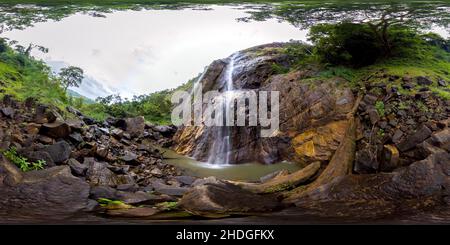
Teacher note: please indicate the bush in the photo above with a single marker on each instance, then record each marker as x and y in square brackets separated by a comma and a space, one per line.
[345, 44]
[358, 45]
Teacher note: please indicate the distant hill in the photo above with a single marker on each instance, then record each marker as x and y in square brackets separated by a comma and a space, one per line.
[77, 95]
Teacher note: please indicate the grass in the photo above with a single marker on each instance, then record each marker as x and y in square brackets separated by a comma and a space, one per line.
[379, 106]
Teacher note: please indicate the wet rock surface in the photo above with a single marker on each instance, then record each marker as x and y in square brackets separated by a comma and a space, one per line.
[53, 191]
[222, 199]
[308, 115]
[367, 153]
[422, 184]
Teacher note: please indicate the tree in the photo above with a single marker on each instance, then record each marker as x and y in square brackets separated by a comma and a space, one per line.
[380, 17]
[346, 44]
[71, 76]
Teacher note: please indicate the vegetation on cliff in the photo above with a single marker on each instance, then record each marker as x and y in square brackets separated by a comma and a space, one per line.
[23, 76]
[386, 39]
[348, 50]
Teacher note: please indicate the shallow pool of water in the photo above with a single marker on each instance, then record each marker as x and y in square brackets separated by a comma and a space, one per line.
[251, 171]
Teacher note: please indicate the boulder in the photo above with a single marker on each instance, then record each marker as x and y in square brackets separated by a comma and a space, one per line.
[129, 157]
[102, 152]
[76, 138]
[117, 133]
[165, 130]
[77, 168]
[88, 120]
[8, 100]
[408, 85]
[45, 140]
[132, 187]
[34, 156]
[52, 115]
[8, 112]
[99, 174]
[366, 161]
[135, 126]
[373, 116]
[425, 149]
[156, 172]
[30, 102]
[50, 193]
[59, 152]
[33, 128]
[424, 81]
[56, 129]
[140, 197]
[102, 191]
[74, 111]
[223, 199]
[169, 189]
[397, 136]
[75, 124]
[415, 138]
[442, 139]
[390, 158]
[442, 83]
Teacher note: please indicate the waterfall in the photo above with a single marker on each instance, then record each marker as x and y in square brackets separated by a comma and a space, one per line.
[221, 148]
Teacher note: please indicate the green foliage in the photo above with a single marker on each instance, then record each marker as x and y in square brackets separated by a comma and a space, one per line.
[403, 105]
[345, 44]
[71, 76]
[442, 93]
[380, 133]
[23, 76]
[106, 201]
[167, 206]
[379, 106]
[279, 69]
[299, 53]
[21, 162]
[421, 106]
[113, 204]
[155, 107]
[358, 45]
[338, 71]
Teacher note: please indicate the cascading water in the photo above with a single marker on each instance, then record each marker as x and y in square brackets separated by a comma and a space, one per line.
[221, 148]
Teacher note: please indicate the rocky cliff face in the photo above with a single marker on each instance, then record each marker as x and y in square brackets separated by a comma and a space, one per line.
[312, 111]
